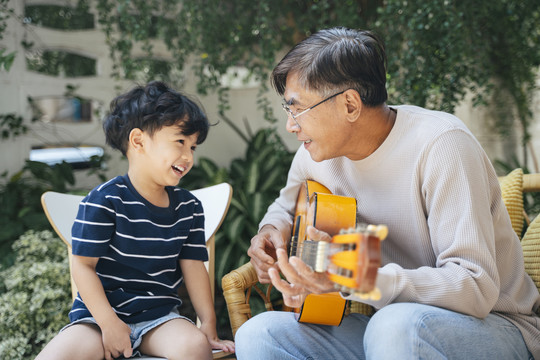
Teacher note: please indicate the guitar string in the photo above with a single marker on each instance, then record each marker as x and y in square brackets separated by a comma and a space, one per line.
[310, 251]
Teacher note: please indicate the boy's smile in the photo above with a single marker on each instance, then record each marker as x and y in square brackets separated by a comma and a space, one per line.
[160, 160]
[170, 153]
[179, 170]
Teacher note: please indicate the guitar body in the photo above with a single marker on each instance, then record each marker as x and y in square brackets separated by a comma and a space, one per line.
[330, 213]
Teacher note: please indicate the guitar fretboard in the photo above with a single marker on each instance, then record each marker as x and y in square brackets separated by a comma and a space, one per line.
[316, 254]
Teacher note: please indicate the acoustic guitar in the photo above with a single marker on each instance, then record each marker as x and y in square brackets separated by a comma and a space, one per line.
[351, 259]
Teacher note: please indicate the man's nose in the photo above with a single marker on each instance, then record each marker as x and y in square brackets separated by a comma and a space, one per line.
[291, 125]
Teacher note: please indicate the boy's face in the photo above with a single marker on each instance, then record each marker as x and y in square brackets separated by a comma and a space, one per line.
[169, 154]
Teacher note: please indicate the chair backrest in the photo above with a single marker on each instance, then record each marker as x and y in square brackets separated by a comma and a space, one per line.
[215, 201]
[61, 210]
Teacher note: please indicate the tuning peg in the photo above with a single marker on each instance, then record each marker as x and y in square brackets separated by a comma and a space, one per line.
[350, 230]
[381, 231]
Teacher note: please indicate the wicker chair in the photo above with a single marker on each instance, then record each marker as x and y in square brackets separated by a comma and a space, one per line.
[239, 284]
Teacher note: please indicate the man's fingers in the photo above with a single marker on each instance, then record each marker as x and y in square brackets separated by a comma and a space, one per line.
[286, 268]
[299, 273]
[262, 274]
[317, 235]
[301, 267]
[260, 263]
[283, 286]
[264, 257]
[262, 251]
[293, 296]
[262, 248]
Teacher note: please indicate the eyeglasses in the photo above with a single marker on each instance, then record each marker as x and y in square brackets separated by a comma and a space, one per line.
[295, 116]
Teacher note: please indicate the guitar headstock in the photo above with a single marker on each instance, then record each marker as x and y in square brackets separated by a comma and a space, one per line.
[354, 257]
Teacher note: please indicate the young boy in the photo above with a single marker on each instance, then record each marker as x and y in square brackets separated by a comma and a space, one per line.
[138, 236]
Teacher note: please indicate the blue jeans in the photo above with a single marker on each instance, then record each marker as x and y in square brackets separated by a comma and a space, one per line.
[397, 331]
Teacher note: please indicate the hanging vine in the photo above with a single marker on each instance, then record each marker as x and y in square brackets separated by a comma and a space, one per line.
[438, 50]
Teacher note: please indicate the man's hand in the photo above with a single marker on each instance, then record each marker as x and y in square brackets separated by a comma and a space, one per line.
[301, 280]
[263, 251]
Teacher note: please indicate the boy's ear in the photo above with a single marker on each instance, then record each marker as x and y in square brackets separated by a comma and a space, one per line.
[136, 139]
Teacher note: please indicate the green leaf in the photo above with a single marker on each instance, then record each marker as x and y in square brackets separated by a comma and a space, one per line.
[253, 178]
[258, 207]
[271, 180]
[208, 166]
[234, 228]
[6, 60]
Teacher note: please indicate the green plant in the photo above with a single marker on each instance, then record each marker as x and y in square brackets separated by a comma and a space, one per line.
[6, 58]
[61, 17]
[438, 50]
[20, 194]
[256, 180]
[35, 295]
[11, 125]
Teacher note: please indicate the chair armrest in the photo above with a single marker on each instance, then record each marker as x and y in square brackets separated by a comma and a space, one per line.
[237, 287]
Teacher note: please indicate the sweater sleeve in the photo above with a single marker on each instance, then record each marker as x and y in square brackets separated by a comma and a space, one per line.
[462, 202]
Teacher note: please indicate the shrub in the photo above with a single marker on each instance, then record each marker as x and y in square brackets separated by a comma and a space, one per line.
[20, 194]
[35, 295]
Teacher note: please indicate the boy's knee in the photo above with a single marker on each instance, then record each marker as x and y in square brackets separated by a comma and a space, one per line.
[194, 347]
[198, 346]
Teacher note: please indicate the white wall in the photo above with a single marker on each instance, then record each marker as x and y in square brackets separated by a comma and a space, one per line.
[222, 144]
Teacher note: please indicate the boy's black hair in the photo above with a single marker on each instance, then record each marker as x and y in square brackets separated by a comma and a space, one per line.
[150, 108]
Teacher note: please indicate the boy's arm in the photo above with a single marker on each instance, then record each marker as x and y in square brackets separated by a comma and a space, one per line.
[200, 293]
[115, 332]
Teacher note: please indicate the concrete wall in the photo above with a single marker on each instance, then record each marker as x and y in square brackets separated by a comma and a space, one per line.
[222, 144]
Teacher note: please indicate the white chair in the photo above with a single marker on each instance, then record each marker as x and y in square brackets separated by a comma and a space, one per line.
[61, 210]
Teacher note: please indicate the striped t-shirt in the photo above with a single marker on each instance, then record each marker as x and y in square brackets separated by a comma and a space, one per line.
[139, 246]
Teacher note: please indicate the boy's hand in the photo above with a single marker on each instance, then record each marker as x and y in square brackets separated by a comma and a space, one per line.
[225, 345]
[116, 340]
[209, 329]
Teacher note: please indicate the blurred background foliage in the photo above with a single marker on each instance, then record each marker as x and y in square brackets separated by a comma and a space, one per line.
[20, 199]
[438, 52]
[34, 302]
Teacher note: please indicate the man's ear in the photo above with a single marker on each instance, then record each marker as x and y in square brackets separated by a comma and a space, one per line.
[136, 139]
[354, 105]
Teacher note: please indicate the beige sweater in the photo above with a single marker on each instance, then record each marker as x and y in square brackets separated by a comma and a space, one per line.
[450, 241]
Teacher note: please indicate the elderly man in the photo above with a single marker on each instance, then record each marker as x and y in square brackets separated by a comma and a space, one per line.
[452, 280]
